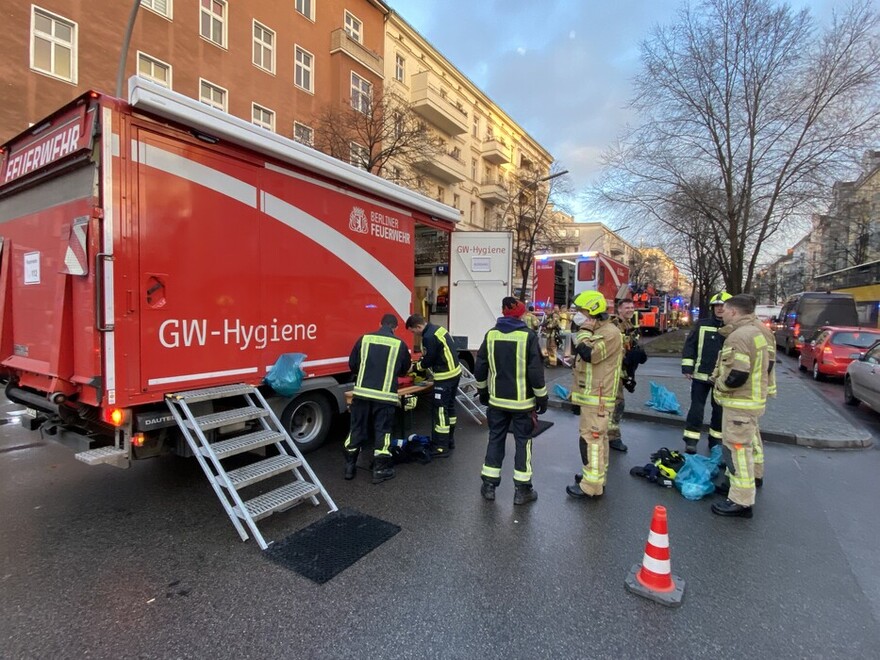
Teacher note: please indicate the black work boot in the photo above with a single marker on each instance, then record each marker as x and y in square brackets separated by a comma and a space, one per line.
[439, 451]
[524, 494]
[617, 445]
[383, 469]
[732, 509]
[722, 487]
[487, 490]
[759, 481]
[350, 466]
[690, 447]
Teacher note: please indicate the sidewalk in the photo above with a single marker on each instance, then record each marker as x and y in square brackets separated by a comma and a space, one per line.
[798, 415]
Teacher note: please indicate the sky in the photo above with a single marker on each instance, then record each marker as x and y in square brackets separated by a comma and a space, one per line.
[562, 69]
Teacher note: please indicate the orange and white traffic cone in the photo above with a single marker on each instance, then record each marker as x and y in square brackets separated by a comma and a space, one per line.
[654, 579]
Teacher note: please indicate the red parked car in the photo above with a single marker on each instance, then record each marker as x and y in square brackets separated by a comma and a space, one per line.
[832, 348]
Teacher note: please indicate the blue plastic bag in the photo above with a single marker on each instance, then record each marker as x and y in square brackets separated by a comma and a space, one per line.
[286, 375]
[663, 400]
[694, 479]
[561, 392]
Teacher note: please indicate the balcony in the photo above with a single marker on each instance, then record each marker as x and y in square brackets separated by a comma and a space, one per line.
[340, 42]
[432, 102]
[444, 167]
[496, 151]
[493, 192]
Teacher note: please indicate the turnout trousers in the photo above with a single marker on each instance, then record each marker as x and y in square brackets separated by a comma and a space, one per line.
[743, 453]
[700, 391]
[521, 423]
[443, 412]
[593, 444]
[371, 422]
[616, 416]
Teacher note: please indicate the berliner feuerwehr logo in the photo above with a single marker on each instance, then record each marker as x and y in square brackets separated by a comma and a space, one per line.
[357, 221]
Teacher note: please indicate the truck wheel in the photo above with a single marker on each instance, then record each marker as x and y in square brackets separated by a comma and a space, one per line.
[307, 419]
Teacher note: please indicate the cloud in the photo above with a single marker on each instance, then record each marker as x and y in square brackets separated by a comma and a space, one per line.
[521, 50]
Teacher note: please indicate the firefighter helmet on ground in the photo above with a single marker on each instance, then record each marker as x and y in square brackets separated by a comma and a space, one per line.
[592, 302]
[720, 298]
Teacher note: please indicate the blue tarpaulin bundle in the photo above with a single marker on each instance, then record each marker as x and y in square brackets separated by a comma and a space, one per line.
[561, 392]
[663, 400]
[286, 375]
[694, 479]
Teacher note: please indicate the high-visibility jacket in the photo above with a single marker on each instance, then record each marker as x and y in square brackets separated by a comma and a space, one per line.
[532, 321]
[628, 329]
[509, 365]
[700, 353]
[378, 358]
[748, 349]
[439, 353]
[596, 382]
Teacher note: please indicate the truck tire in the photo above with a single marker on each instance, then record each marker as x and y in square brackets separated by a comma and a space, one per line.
[308, 419]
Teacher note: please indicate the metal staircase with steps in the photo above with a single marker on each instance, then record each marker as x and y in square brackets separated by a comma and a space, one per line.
[467, 396]
[228, 484]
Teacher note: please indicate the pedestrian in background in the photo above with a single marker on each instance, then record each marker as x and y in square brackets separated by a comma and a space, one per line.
[698, 359]
[377, 359]
[531, 319]
[742, 379]
[551, 330]
[633, 355]
[510, 381]
[440, 358]
[598, 354]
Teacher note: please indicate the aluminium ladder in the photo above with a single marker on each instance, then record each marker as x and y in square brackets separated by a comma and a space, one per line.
[228, 484]
[467, 396]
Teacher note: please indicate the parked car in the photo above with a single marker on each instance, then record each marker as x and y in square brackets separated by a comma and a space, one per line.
[804, 313]
[832, 348]
[862, 380]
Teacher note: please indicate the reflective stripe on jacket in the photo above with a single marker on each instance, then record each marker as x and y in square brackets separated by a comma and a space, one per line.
[701, 348]
[440, 355]
[747, 349]
[596, 382]
[509, 365]
[378, 359]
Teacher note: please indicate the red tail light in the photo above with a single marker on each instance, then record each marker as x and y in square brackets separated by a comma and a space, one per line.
[115, 416]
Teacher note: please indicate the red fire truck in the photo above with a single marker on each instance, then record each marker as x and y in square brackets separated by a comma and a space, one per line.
[159, 245]
[558, 278]
[652, 312]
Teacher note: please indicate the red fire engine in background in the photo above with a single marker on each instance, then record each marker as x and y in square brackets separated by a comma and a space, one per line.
[558, 278]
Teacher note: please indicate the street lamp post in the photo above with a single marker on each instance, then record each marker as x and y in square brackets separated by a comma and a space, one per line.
[126, 41]
[602, 235]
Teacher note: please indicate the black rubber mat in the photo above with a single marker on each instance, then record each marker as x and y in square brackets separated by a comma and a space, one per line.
[540, 427]
[326, 548]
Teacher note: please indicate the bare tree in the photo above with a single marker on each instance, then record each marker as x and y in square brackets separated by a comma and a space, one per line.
[750, 98]
[529, 213]
[381, 134]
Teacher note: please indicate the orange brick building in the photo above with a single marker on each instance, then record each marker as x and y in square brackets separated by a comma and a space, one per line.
[274, 62]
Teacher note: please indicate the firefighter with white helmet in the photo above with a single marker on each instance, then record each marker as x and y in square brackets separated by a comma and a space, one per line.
[698, 358]
[598, 354]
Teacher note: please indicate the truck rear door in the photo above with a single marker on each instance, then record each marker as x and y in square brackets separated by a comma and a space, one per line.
[480, 276]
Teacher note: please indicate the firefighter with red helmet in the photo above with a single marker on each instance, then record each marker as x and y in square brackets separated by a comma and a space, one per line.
[598, 355]
[377, 359]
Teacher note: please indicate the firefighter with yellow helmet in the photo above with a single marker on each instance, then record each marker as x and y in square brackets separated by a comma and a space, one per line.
[598, 354]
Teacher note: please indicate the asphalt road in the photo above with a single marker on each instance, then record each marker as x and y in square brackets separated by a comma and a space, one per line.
[101, 562]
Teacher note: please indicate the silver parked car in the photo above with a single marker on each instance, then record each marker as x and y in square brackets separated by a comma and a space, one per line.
[862, 380]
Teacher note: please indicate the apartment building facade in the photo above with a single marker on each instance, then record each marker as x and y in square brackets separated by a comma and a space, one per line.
[273, 62]
[483, 148]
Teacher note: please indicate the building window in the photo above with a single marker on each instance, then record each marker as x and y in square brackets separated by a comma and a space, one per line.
[303, 134]
[456, 201]
[213, 23]
[264, 47]
[212, 95]
[152, 69]
[303, 76]
[53, 45]
[441, 193]
[263, 117]
[476, 129]
[361, 93]
[358, 155]
[473, 212]
[399, 68]
[161, 7]
[306, 8]
[353, 27]
[474, 169]
[396, 174]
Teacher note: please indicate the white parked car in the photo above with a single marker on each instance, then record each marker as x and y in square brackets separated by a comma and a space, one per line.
[862, 380]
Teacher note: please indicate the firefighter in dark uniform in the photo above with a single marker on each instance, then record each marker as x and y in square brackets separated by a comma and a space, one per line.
[378, 358]
[698, 360]
[440, 358]
[510, 379]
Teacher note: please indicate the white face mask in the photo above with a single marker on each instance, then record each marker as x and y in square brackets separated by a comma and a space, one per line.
[579, 319]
